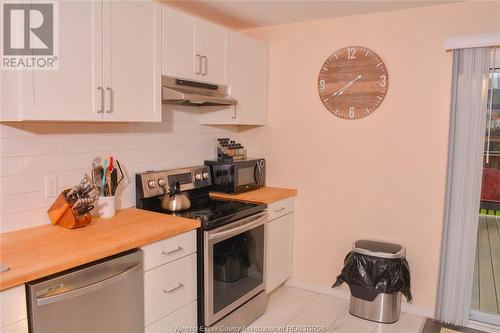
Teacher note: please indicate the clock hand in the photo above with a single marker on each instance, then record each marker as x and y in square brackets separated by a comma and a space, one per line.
[349, 84]
[344, 88]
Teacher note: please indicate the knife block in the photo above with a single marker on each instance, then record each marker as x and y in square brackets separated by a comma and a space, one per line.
[61, 213]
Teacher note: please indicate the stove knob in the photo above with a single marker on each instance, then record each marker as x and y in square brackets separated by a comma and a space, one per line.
[198, 176]
[205, 175]
[151, 184]
[161, 182]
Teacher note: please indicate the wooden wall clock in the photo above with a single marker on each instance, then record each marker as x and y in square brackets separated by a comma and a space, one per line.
[353, 82]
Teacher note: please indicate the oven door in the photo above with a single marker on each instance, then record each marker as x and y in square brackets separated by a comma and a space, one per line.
[234, 257]
[248, 175]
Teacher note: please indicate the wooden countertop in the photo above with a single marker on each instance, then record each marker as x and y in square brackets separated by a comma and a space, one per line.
[264, 194]
[40, 251]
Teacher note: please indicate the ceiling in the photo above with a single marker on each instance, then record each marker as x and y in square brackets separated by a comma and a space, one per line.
[247, 14]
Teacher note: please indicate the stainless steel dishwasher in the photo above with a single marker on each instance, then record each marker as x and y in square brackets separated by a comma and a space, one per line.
[102, 297]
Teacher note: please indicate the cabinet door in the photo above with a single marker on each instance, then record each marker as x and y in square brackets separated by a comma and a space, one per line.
[248, 84]
[132, 60]
[212, 45]
[248, 79]
[182, 320]
[18, 327]
[279, 251]
[13, 308]
[179, 57]
[72, 92]
[169, 287]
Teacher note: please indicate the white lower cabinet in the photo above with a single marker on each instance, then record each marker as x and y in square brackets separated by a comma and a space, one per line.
[13, 310]
[170, 292]
[279, 245]
[169, 249]
[182, 320]
[169, 287]
[18, 327]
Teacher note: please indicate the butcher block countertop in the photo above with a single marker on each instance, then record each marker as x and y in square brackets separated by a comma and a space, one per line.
[44, 250]
[266, 195]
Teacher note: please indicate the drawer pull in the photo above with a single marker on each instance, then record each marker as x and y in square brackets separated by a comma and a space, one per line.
[178, 286]
[179, 248]
[279, 210]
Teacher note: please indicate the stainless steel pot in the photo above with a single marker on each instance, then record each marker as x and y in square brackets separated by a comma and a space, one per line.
[175, 200]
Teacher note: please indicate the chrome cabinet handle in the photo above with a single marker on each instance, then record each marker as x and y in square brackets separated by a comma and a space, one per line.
[279, 210]
[234, 112]
[179, 248]
[110, 100]
[205, 72]
[101, 110]
[198, 71]
[178, 286]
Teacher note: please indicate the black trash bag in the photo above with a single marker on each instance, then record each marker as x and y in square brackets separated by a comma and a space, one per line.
[369, 276]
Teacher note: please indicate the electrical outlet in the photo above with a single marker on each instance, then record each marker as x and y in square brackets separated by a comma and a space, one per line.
[50, 187]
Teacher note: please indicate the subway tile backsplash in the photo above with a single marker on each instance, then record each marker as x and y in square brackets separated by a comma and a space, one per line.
[32, 151]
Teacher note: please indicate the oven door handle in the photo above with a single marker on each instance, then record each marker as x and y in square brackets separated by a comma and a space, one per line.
[254, 222]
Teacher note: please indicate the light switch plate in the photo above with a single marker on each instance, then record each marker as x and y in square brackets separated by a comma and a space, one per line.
[50, 186]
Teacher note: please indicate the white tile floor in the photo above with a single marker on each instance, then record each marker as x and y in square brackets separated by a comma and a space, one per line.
[293, 310]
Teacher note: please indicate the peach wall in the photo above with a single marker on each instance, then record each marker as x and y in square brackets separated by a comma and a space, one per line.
[381, 177]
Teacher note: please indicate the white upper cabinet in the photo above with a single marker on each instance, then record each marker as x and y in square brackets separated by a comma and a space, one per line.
[179, 57]
[248, 84]
[248, 81]
[194, 49]
[212, 46]
[132, 61]
[109, 67]
[72, 92]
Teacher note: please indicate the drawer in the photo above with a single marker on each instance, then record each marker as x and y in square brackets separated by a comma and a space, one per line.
[169, 287]
[280, 208]
[182, 320]
[12, 305]
[19, 327]
[167, 250]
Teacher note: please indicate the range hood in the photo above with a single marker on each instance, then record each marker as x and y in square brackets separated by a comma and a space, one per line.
[184, 92]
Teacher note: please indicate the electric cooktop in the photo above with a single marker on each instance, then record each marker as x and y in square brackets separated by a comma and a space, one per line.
[214, 213]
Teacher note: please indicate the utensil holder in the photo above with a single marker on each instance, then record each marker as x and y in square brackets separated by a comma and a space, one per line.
[61, 213]
[106, 207]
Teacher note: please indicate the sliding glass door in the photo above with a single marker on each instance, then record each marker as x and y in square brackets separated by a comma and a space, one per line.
[485, 300]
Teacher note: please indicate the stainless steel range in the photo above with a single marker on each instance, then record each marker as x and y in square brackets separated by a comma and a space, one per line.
[231, 245]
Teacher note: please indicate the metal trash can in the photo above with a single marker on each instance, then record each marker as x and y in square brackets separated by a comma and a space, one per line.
[385, 308]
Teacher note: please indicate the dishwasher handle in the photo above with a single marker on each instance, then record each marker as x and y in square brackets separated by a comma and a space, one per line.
[86, 289]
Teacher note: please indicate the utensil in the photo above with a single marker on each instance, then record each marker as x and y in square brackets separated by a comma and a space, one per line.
[84, 209]
[114, 181]
[108, 182]
[121, 173]
[103, 180]
[96, 162]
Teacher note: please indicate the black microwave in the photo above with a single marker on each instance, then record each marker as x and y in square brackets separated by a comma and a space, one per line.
[237, 176]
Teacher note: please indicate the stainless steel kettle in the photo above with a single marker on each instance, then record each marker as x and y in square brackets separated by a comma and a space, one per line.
[174, 200]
